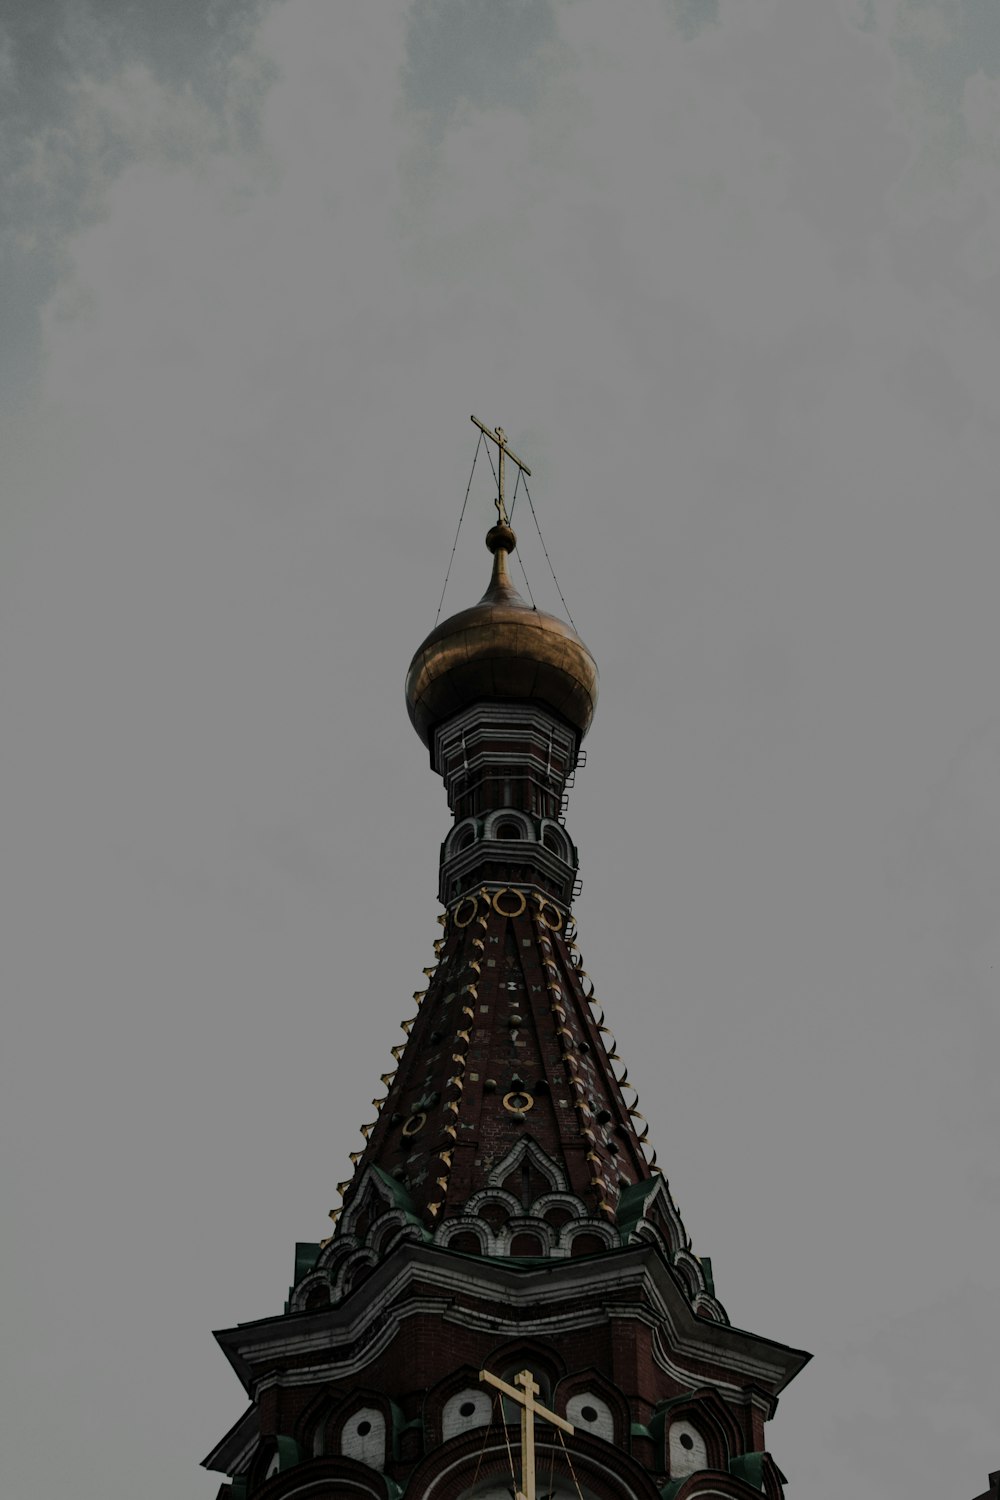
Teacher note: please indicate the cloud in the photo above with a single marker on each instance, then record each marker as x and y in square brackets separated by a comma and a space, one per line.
[485, 52]
[87, 91]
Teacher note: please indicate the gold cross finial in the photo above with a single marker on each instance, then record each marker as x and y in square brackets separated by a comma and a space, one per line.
[530, 1409]
[498, 436]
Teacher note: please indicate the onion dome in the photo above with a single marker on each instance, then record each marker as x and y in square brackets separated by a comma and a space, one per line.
[501, 649]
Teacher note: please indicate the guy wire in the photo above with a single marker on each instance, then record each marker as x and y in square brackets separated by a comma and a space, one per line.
[519, 557]
[572, 1471]
[506, 1438]
[458, 528]
[486, 1438]
[547, 557]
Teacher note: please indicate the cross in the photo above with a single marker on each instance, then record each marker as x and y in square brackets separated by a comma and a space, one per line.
[498, 436]
[530, 1408]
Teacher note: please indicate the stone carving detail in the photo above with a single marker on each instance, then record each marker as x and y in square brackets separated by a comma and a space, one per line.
[498, 1223]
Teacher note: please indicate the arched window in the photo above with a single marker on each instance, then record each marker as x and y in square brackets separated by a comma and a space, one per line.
[467, 1242]
[507, 831]
[586, 1244]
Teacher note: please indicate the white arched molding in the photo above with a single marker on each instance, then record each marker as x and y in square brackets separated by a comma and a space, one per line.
[686, 1449]
[462, 836]
[509, 815]
[554, 837]
[590, 1414]
[362, 1437]
[470, 1408]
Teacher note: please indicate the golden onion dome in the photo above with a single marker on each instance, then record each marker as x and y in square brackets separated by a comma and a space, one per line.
[501, 649]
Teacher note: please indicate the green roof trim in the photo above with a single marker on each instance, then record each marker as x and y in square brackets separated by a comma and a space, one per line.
[658, 1420]
[706, 1268]
[637, 1430]
[631, 1205]
[289, 1453]
[400, 1198]
[750, 1468]
[306, 1256]
[670, 1490]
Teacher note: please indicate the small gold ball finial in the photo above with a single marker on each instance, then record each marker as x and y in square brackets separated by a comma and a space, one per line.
[501, 538]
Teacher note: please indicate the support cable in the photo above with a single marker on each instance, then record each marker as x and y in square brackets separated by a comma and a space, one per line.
[458, 528]
[506, 1438]
[547, 557]
[486, 1438]
[572, 1471]
[520, 559]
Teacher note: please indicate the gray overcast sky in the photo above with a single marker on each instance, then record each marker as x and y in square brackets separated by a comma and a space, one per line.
[728, 272]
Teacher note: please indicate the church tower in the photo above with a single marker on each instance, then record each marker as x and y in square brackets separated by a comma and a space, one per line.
[508, 1304]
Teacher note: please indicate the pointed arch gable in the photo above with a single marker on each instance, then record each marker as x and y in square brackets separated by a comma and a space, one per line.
[375, 1195]
[521, 1354]
[336, 1412]
[544, 1164]
[590, 1382]
[463, 1382]
[709, 1415]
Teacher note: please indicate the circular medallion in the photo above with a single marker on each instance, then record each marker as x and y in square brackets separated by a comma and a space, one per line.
[517, 1103]
[465, 911]
[550, 916]
[414, 1123]
[509, 903]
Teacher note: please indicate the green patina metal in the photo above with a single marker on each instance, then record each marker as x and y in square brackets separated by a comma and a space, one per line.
[658, 1420]
[706, 1267]
[289, 1453]
[306, 1256]
[401, 1200]
[631, 1205]
[750, 1468]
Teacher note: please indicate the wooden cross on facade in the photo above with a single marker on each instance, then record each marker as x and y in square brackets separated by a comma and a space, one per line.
[498, 436]
[530, 1409]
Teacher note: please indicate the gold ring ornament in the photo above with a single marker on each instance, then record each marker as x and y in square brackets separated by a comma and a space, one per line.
[467, 902]
[550, 916]
[518, 1102]
[414, 1123]
[520, 903]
